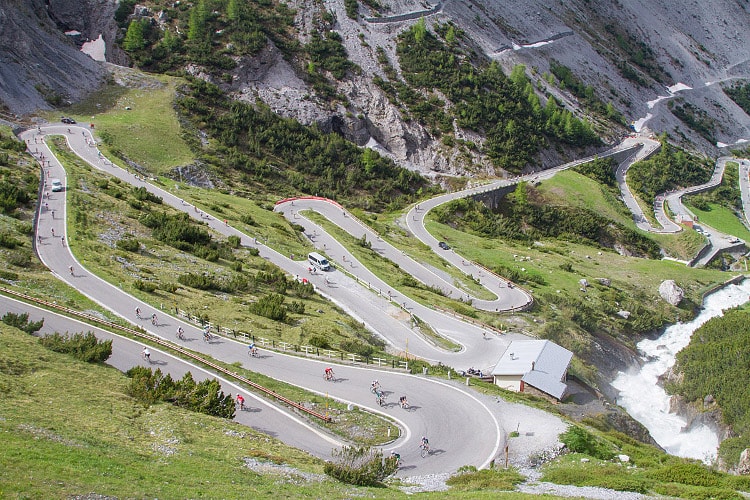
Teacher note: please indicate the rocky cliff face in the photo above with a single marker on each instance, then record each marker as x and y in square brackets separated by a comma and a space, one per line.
[40, 66]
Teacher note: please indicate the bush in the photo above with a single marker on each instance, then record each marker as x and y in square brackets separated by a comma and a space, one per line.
[202, 397]
[8, 275]
[270, 306]
[144, 286]
[248, 220]
[361, 466]
[691, 473]
[128, 244]
[8, 241]
[579, 440]
[85, 347]
[492, 479]
[234, 241]
[199, 281]
[357, 347]
[21, 321]
[296, 307]
[169, 287]
[320, 342]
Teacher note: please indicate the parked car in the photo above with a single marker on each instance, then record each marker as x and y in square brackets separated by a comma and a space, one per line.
[67, 120]
[56, 185]
[444, 245]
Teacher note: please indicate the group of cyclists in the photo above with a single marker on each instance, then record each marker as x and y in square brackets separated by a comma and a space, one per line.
[329, 375]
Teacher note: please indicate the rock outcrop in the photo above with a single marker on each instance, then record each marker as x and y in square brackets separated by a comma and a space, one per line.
[669, 291]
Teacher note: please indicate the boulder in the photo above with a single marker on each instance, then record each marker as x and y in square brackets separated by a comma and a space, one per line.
[623, 314]
[584, 283]
[623, 458]
[604, 281]
[670, 292]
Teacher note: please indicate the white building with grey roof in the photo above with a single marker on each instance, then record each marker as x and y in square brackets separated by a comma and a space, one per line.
[537, 363]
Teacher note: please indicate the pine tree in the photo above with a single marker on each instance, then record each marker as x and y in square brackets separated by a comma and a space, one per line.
[134, 40]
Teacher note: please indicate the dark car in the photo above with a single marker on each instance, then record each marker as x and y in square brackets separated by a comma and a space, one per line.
[67, 120]
[444, 245]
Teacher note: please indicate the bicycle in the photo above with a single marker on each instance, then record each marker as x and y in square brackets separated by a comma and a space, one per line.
[380, 398]
[424, 450]
[146, 355]
[252, 351]
[329, 376]
[180, 333]
[207, 336]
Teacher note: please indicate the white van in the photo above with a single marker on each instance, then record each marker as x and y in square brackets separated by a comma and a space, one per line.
[56, 185]
[319, 261]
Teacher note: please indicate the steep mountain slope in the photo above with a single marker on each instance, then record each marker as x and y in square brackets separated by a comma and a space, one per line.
[40, 66]
[624, 54]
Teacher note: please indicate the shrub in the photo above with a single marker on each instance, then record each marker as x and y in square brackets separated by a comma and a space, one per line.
[361, 466]
[296, 307]
[579, 440]
[253, 251]
[169, 287]
[356, 347]
[8, 241]
[246, 219]
[236, 266]
[199, 281]
[128, 244]
[493, 479]
[144, 286]
[21, 321]
[691, 473]
[234, 241]
[320, 342]
[203, 397]
[142, 194]
[85, 347]
[8, 275]
[270, 306]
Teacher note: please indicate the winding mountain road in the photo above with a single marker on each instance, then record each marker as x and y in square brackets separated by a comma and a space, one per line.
[471, 432]
[463, 427]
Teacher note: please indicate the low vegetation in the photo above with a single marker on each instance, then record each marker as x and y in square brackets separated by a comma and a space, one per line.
[612, 460]
[149, 387]
[361, 466]
[740, 94]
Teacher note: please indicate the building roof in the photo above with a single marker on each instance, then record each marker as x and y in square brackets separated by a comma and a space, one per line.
[550, 362]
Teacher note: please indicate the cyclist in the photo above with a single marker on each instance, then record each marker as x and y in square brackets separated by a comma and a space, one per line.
[403, 402]
[138, 312]
[146, 354]
[154, 321]
[180, 333]
[206, 333]
[329, 373]
[252, 350]
[397, 457]
[425, 443]
[374, 387]
[241, 401]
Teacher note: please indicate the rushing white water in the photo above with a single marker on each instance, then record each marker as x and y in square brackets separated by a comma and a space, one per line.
[648, 403]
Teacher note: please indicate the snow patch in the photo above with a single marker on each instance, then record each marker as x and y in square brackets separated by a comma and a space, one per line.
[95, 49]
